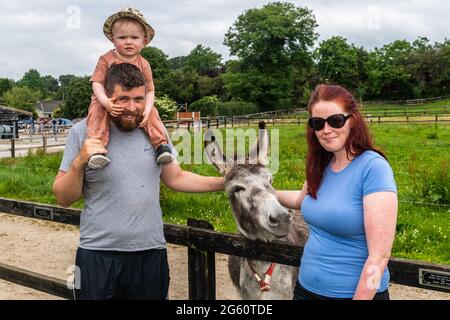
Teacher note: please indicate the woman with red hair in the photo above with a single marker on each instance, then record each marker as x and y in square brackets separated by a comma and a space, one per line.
[349, 201]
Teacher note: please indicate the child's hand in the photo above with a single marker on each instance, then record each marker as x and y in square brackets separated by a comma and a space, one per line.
[114, 109]
[146, 116]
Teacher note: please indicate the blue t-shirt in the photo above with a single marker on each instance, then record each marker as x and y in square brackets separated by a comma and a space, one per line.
[336, 250]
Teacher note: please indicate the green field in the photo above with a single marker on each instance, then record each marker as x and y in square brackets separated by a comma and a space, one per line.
[418, 153]
[390, 113]
[429, 108]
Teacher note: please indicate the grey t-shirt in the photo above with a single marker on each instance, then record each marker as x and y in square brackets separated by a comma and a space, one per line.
[122, 210]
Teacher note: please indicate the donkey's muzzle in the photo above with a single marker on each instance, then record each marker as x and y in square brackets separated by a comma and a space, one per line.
[279, 219]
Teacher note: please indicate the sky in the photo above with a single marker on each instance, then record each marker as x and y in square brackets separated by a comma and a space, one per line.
[59, 37]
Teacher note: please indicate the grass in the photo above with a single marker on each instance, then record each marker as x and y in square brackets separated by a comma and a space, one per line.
[418, 153]
[437, 107]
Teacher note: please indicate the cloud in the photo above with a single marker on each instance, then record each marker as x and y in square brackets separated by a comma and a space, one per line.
[65, 37]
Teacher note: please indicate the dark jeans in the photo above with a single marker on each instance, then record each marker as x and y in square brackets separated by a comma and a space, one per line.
[109, 275]
[301, 293]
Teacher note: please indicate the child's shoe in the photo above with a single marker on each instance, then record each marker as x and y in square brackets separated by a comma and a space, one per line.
[98, 161]
[164, 154]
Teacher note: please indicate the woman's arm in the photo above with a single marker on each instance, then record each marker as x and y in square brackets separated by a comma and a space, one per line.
[380, 217]
[292, 198]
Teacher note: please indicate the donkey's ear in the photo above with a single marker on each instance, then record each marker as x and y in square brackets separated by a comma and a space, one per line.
[214, 152]
[260, 149]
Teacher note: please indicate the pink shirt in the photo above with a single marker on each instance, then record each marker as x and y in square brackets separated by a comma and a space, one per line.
[111, 57]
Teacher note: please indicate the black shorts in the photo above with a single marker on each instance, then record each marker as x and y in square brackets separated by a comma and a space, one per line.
[106, 275]
[301, 293]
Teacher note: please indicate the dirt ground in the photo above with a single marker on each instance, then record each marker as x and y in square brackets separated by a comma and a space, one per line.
[49, 248]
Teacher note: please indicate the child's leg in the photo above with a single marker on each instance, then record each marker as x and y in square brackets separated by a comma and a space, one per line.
[98, 122]
[98, 128]
[155, 129]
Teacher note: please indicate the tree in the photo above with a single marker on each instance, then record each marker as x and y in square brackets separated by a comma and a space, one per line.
[179, 85]
[273, 43]
[234, 107]
[207, 106]
[268, 91]
[277, 34]
[64, 81]
[206, 86]
[388, 76]
[5, 85]
[22, 98]
[203, 60]
[338, 63]
[57, 113]
[441, 81]
[428, 65]
[49, 84]
[167, 108]
[177, 63]
[159, 62]
[78, 98]
[32, 79]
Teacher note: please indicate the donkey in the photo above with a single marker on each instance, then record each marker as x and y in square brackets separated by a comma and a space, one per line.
[259, 216]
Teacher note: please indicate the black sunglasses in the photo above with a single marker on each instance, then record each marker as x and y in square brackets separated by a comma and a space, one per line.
[335, 121]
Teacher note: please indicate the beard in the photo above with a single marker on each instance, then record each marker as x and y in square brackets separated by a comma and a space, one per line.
[128, 120]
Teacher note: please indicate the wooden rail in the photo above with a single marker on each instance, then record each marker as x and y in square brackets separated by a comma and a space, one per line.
[35, 281]
[203, 243]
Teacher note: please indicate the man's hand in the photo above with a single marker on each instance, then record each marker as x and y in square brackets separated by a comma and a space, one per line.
[114, 109]
[146, 116]
[89, 148]
[68, 185]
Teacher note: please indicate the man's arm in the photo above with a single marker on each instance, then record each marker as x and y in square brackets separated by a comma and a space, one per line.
[69, 185]
[185, 181]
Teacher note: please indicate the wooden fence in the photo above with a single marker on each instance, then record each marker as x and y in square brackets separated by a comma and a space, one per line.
[408, 102]
[39, 138]
[202, 243]
[293, 116]
[231, 122]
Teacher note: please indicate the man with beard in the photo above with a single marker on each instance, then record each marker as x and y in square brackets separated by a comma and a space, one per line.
[122, 251]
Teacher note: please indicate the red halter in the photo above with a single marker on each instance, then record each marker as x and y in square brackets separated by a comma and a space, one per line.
[264, 285]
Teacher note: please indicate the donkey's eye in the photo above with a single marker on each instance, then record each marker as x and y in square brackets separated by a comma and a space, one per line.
[238, 189]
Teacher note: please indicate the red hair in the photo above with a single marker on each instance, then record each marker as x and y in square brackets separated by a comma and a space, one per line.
[358, 141]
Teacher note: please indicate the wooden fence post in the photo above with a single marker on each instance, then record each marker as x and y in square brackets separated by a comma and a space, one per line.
[44, 142]
[13, 148]
[202, 268]
[55, 132]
